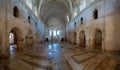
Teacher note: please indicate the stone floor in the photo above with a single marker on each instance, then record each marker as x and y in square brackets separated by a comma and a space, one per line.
[82, 59]
[38, 57]
[58, 57]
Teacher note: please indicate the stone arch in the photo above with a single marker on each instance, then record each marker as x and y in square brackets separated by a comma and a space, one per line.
[16, 12]
[82, 39]
[18, 40]
[98, 39]
[74, 37]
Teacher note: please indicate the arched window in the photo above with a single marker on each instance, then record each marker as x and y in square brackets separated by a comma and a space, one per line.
[29, 19]
[95, 14]
[75, 25]
[36, 24]
[16, 12]
[81, 20]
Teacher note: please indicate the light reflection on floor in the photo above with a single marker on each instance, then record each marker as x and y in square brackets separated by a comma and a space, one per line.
[12, 50]
[50, 46]
[55, 53]
[38, 57]
[50, 57]
[50, 54]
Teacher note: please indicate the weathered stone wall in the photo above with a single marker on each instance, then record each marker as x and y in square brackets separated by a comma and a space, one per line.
[112, 30]
[108, 23]
[27, 31]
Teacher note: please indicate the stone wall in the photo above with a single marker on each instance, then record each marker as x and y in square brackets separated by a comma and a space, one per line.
[107, 22]
[26, 32]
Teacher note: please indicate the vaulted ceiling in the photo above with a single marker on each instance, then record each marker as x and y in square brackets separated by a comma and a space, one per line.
[55, 8]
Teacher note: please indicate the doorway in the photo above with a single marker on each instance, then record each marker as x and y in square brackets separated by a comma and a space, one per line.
[74, 37]
[15, 40]
[98, 39]
[13, 44]
[82, 39]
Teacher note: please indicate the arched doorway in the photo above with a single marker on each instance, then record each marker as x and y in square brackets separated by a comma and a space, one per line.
[74, 37]
[98, 39]
[82, 39]
[16, 40]
[12, 38]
